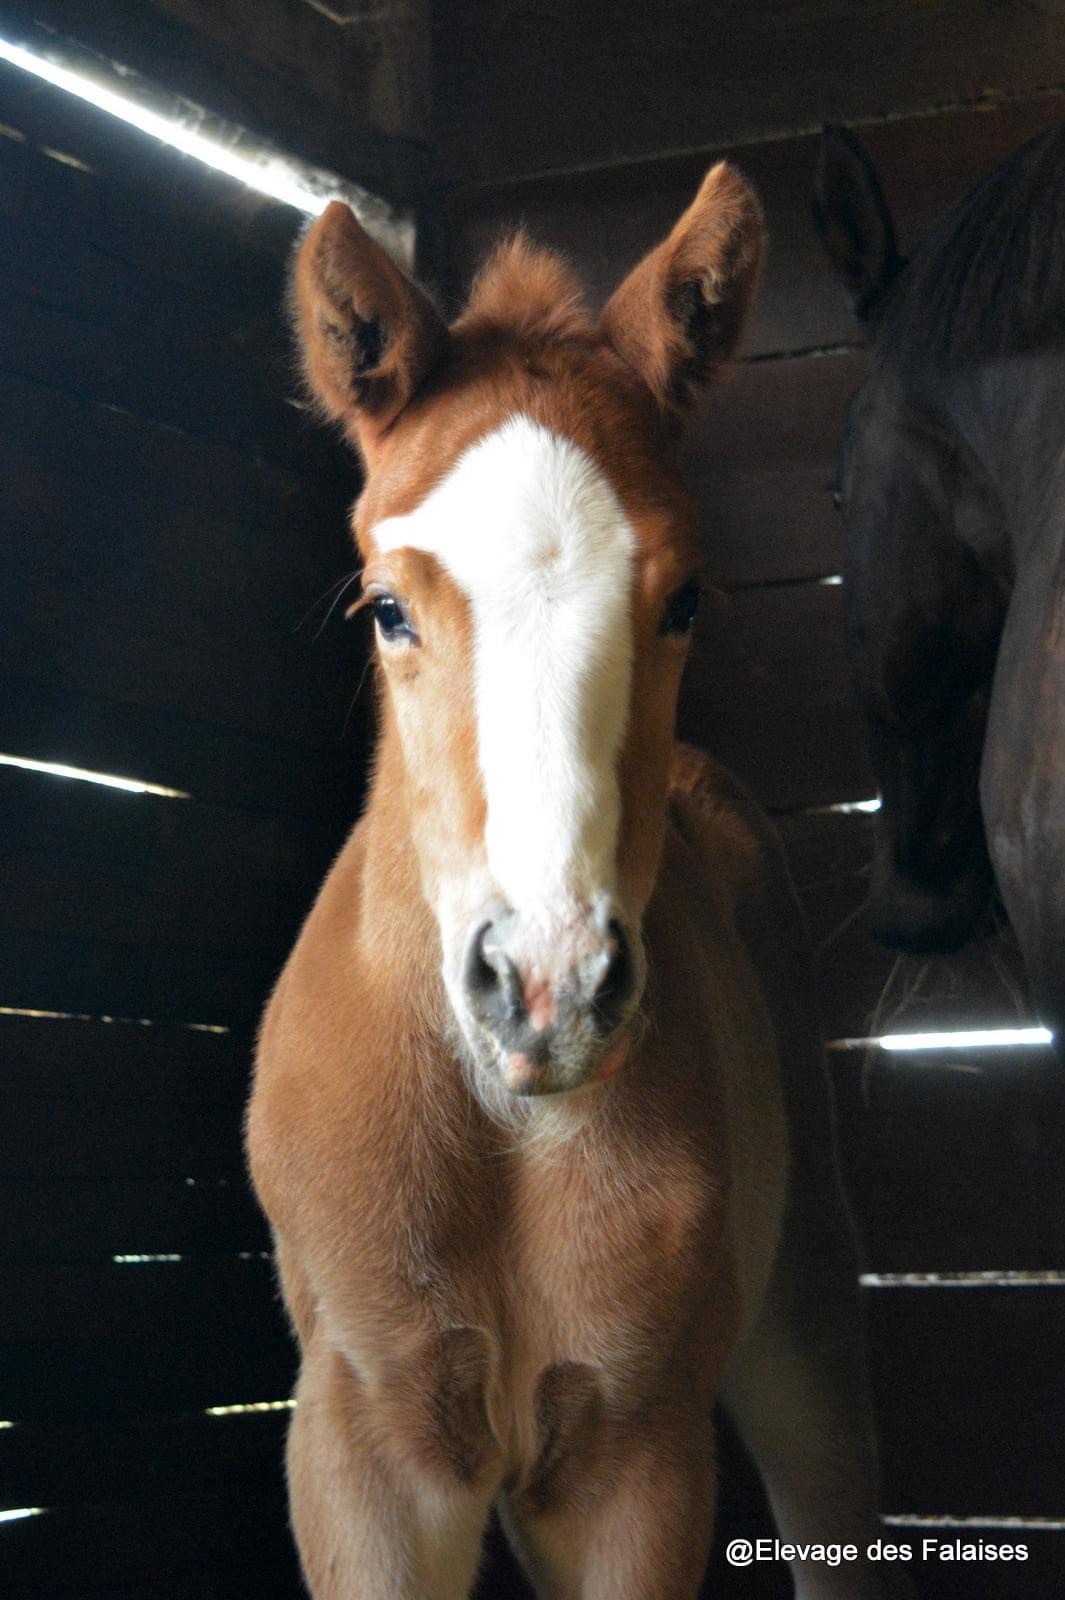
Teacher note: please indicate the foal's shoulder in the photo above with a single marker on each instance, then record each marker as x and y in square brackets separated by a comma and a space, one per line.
[742, 860]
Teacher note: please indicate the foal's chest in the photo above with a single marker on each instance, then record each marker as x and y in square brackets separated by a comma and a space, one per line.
[594, 1261]
[540, 1339]
[604, 1252]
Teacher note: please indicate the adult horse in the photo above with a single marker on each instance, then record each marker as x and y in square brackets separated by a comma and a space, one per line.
[951, 480]
[521, 1110]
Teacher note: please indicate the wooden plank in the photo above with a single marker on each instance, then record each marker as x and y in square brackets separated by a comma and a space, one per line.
[180, 571]
[85, 448]
[68, 896]
[759, 460]
[374, 57]
[215, 353]
[45, 1137]
[133, 905]
[84, 321]
[220, 1547]
[84, 175]
[82, 859]
[767, 692]
[286, 690]
[52, 1464]
[81, 728]
[123, 1062]
[274, 101]
[72, 1219]
[927, 163]
[952, 1159]
[70, 1381]
[212, 1298]
[54, 973]
[970, 1397]
[618, 89]
[139, 1458]
[864, 988]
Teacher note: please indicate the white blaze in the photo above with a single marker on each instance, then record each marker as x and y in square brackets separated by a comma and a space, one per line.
[528, 527]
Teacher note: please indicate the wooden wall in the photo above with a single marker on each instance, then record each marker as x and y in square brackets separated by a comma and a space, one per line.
[591, 126]
[171, 525]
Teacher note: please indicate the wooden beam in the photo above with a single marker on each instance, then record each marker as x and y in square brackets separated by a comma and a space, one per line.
[209, 62]
[549, 88]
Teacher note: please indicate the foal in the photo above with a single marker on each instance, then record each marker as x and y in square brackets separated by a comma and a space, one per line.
[526, 1088]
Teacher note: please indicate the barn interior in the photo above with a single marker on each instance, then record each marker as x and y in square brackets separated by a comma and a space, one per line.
[186, 720]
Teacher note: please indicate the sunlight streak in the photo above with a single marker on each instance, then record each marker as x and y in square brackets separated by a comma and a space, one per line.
[109, 780]
[966, 1039]
[268, 173]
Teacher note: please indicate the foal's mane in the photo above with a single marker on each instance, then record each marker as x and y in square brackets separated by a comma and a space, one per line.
[528, 291]
[990, 280]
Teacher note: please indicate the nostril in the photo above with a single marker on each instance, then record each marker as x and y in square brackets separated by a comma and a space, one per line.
[491, 978]
[480, 975]
[620, 977]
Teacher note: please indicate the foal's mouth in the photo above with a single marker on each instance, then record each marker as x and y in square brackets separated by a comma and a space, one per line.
[524, 1075]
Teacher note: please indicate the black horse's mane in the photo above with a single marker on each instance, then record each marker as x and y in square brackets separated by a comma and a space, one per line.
[990, 280]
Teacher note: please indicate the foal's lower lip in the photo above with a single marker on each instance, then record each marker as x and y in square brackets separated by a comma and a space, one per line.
[519, 1073]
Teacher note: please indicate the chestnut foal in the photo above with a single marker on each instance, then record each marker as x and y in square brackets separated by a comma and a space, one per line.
[524, 1090]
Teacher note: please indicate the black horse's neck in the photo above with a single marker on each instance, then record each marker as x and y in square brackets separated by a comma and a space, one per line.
[1009, 417]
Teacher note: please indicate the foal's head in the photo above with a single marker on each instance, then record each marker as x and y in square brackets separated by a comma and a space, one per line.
[530, 560]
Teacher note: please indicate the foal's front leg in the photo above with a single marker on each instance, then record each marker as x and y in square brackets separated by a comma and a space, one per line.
[637, 1530]
[370, 1522]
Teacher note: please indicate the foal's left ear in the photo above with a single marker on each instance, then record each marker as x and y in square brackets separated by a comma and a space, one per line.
[368, 336]
[678, 316]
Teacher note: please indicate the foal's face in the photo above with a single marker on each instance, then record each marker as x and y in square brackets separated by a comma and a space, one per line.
[532, 571]
[532, 613]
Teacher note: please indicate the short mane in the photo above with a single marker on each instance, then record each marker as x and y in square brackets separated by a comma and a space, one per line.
[528, 291]
[990, 281]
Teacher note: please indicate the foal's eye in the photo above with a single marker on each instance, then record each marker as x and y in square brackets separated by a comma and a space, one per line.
[680, 612]
[392, 619]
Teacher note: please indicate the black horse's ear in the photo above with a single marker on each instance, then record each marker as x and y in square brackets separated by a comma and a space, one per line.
[854, 222]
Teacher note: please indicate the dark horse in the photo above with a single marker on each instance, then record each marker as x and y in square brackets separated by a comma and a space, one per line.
[951, 482]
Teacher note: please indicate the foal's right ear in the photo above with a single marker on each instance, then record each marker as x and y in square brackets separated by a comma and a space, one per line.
[854, 222]
[368, 336]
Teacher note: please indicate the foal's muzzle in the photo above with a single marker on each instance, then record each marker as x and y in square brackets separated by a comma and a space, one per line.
[549, 1012]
